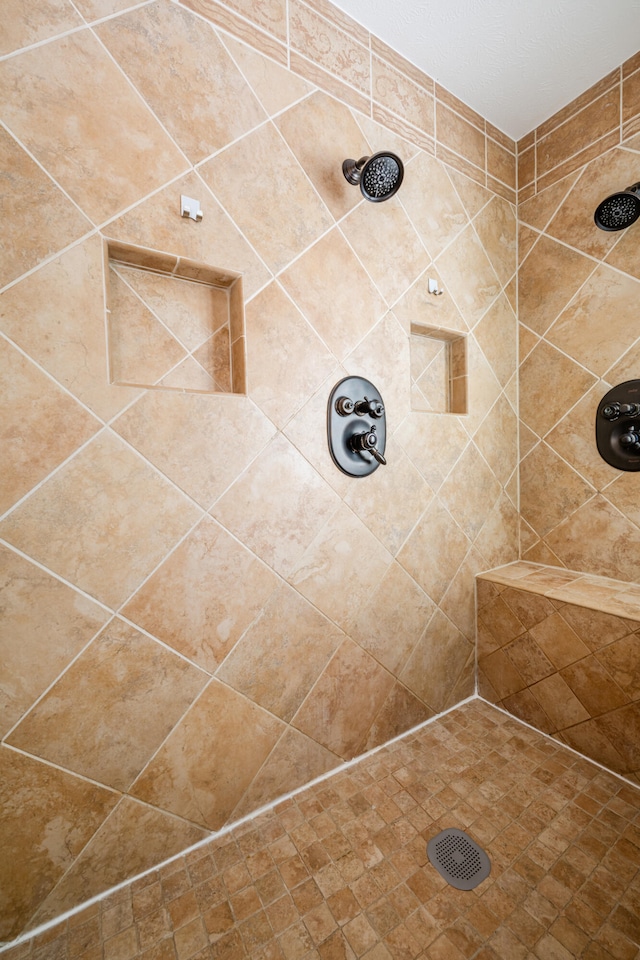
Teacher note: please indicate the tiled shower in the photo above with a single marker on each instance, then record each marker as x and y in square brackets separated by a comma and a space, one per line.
[201, 613]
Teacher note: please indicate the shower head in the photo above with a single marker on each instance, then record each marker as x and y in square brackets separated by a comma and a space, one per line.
[379, 176]
[619, 210]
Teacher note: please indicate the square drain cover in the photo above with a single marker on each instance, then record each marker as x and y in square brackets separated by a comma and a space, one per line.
[458, 859]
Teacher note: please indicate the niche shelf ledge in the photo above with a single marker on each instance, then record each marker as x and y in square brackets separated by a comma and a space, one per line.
[173, 323]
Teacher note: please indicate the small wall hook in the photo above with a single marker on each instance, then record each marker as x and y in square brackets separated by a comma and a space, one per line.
[190, 208]
[433, 288]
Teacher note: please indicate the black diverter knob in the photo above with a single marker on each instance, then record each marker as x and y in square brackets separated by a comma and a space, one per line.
[629, 439]
[611, 411]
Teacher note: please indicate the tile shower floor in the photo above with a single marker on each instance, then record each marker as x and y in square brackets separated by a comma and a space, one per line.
[340, 870]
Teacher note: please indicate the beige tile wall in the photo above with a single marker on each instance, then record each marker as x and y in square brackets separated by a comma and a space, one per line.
[604, 116]
[200, 612]
[579, 289]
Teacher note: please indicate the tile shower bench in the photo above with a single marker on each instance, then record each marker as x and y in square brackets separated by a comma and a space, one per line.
[561, 651]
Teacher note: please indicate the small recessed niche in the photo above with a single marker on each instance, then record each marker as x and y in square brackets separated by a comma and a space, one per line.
[173, 324]
[438, 370]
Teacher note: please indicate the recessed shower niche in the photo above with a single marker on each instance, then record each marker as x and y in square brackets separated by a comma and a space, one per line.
[172, 323]
[438, 369]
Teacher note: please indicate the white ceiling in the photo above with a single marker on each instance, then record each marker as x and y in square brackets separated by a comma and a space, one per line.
[516, 62]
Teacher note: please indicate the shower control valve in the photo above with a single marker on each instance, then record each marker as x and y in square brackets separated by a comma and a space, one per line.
[372, 408]
[345, 406]
[614, 410]
[630, 440]
[367, 442]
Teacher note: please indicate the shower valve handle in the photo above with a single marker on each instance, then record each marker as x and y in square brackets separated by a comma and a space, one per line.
[614, 410]
[630, 439]
[374, 408]
[367, 442]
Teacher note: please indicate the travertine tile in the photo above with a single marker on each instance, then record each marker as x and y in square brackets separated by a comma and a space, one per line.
[390, 251]
[501, 163]
[141, 349]
[579, 540]
[401, 95]
[45, 625]
[497, 336]
[593, 122]
[229, 739]
[41, 425]
[263, 188]
[65, 333]
[282, 654]
[132, 840]
[539, 209]
[332, 49]
[191, 311]
[437, 214]
[48, 219]
[106, 491]
[573, 222]
[551, 489]
[346, 860]
[294, 506]
[286, 361]
[194, 88]
[324, 572]
[548, 280]
[352, 712]
[459, 135]
[331, 264]
[24, 25]
[567, 439]
[215, 241]
[470, 513]
[370, 360]
[396, 497]
[328, 82]
[496, 228]
[435, 550]
[468, 274]
[123, 680]
[295, 760]
[274, 85]
[322, 133]
[183, 434]
[203, 597]
[74, 80]
[541, 409]
[597, 346]
[436, 662]
[48, 815]
[391, 624]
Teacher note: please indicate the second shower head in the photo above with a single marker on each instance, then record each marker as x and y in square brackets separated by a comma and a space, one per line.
[619, 210]
[379, 176]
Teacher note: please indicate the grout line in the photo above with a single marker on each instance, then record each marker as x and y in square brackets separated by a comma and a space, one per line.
[224, 831]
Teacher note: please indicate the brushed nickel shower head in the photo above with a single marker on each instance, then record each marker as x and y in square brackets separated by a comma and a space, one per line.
[379, 176]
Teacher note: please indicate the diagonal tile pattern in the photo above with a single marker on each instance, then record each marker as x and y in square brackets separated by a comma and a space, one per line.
[340, 869]
[549, 658]
[272, 616]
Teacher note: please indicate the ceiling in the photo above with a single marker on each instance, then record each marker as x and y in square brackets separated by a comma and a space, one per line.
[516, 62]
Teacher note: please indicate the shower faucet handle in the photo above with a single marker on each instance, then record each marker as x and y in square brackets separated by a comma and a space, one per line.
[614, 410]
[345, 406]
[367, 442]
[374, 408]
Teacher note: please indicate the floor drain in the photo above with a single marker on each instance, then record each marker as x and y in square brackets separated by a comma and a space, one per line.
[458, 859]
